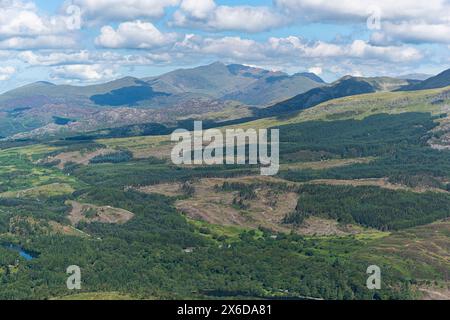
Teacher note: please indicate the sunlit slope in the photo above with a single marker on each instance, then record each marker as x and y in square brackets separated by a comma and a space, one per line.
[435, 101]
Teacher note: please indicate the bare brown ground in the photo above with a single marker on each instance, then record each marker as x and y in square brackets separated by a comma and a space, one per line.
[267, 210]
[165, 189]
[105, 214]
[435, 293]
[66, 230]
[314, 226]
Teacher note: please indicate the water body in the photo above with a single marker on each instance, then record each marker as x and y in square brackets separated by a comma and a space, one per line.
[24, 254]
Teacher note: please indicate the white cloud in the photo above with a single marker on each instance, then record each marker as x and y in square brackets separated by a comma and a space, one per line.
[6, 72]
[120, 10]
[294, 54]
[198, 9]
[91, 57]
[295, 46]
[55, 58]
[361, 49]
[85, 73]
[22, 26]
[39, 42]
[234, 47]
[414, 32]
[137, 35]
[351, 10]
[316, 70]
[207, 15]
[23, 19]
[251, 19]
[400, 21]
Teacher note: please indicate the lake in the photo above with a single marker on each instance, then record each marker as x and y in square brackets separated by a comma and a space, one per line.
[24, 254]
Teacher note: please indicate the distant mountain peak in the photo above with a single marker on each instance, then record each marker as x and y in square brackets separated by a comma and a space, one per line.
[40, 84]
[439, 81]
[345, 86]
[45, 83]
[346, 77]
[310, 75]
[416, 76]
[217, 63]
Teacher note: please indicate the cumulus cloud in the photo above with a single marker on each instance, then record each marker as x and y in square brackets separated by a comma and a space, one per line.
[232, 47]
[136, 35]
[22, 26]
[205, 14]
[400, 21]
[198, 9]
[351, 10]
[361, 49]
[126, 25]
[55, 58]
[39, 42]
[91, 57]
[6, 73]
[295, 46]
[288, 53]
[415, 32]
[85, 73]
[294, 53]
[317, 70]
[120, 10]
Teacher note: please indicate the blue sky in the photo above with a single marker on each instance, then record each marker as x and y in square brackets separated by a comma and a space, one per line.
[85, 41]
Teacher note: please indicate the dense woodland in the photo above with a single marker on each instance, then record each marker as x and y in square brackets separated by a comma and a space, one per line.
[363, 205]
[145, 257]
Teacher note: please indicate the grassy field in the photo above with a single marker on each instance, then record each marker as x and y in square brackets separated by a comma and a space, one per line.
[44, 191]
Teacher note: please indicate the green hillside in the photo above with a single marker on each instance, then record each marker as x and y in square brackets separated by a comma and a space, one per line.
[360, 184]
[439, 81]
[347, 86]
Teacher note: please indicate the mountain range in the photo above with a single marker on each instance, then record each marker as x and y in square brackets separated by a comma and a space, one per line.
[216, 92]
[439, 81]
[346, 86]
[214, 81]
[215, 88]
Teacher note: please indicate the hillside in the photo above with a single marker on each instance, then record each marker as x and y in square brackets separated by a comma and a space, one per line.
[415, 76]
[44, 108]
[439, 81]
[134, 208]
[275, 88]
[215, 80]
[346, 86]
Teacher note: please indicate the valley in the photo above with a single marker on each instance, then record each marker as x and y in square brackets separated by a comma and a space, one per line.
[364, 179]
